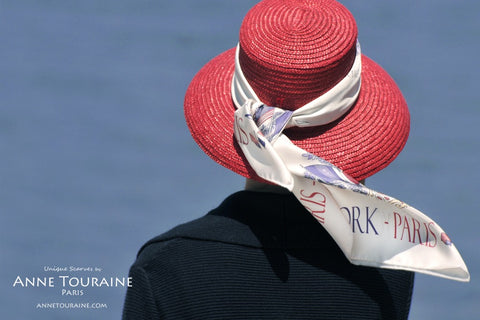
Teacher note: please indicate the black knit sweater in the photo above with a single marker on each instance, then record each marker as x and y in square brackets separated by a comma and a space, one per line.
[259, 256]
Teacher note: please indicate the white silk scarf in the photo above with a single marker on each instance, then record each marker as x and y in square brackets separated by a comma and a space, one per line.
[372, 229]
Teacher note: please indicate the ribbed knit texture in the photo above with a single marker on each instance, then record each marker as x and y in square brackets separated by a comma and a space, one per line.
[259, 256]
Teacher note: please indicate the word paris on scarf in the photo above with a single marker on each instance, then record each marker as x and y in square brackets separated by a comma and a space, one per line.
[372, 229]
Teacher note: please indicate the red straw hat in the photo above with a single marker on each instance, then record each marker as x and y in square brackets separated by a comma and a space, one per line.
[291, 52]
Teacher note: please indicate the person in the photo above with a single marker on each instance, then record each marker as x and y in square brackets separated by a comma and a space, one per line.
[303, 115]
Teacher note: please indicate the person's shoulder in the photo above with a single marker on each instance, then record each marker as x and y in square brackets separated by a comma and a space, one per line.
[220, 225]
[165, 244]
[231, 223]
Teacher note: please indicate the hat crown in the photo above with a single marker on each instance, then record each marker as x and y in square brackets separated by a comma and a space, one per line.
[292, 51]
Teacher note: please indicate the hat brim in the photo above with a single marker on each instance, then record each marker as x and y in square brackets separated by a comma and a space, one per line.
[361, 143]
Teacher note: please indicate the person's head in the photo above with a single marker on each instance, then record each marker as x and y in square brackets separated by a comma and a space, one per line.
[291, 52]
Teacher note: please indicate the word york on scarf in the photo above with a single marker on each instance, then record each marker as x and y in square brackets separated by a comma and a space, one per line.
[372, 229]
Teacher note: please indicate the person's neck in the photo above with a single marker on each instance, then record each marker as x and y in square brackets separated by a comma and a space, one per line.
[254, 185]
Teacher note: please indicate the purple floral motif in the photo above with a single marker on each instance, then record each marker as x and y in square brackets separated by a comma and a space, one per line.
[327, 173]
[446, 239]
[257, 141]
[271, 121]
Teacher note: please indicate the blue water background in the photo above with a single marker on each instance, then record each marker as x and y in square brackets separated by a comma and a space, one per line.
[95, 156]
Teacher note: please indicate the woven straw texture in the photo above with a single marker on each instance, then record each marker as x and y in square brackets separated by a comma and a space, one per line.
[292, 52]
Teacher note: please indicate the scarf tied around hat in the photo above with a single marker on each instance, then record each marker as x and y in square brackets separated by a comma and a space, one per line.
[371, 228]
